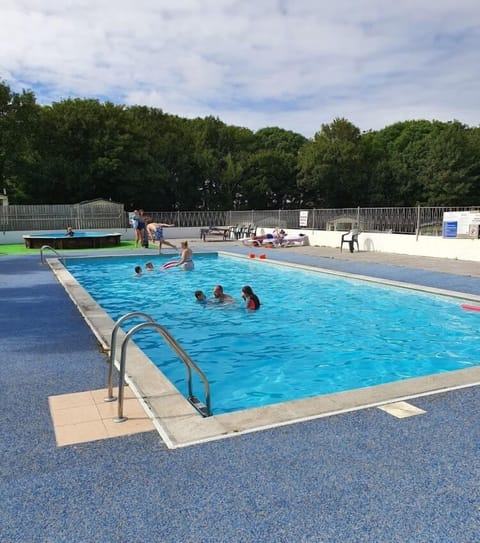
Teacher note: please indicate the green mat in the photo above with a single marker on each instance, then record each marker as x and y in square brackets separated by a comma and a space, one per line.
[20, 249]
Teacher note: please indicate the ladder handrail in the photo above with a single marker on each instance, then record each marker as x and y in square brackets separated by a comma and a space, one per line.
[113, 348]
[42, 260]
[189, 364]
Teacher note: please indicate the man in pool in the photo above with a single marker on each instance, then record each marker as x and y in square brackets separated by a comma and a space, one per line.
[138, 271]
[221, 296]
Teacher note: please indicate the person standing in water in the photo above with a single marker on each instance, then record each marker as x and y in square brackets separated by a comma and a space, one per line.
[186, 262]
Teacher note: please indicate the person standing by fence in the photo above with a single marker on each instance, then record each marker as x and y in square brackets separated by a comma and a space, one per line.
[138, 223]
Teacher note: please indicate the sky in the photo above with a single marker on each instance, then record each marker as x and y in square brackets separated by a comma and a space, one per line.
[295, 64]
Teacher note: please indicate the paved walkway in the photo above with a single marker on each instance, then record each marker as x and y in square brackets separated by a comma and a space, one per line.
[361, 476]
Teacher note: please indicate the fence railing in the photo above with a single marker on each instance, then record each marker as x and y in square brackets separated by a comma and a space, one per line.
[109, 215]
[52, 217]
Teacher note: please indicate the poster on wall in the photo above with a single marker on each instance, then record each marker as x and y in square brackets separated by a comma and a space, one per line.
[303, 218]
[458, 224]
[450, 229]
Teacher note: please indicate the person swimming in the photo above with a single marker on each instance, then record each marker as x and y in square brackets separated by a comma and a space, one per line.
[149, 266]
[201, 297]
[221, 296]
[138, 271]
[251, 299]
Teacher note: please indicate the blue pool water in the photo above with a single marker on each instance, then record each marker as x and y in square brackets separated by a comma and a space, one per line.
[314, 334]
[55, 235]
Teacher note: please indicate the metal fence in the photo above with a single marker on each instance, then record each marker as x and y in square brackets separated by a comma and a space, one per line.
[82, 216]
[108, 215]
[399, 220]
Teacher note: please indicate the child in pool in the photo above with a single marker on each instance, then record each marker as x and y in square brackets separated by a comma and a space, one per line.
[251, 299]
[201, 297]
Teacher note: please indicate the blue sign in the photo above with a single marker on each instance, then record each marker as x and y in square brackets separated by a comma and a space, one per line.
[450, 229]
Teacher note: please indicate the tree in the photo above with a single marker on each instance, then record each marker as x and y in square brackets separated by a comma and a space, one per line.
[18, 122]
[451, 168]
[80, 149]
[220, 153]
[332, 166]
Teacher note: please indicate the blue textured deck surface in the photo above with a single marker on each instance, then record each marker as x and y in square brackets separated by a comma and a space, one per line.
[361, 476]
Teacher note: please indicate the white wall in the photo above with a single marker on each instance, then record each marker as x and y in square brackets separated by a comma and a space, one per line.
[459, 249]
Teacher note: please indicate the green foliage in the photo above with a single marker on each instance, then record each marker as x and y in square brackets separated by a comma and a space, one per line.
[18, 124]
[81, 149]
[332, 166]
[451, 168]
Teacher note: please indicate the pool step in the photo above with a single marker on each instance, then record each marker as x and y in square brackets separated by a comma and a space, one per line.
[199, 406]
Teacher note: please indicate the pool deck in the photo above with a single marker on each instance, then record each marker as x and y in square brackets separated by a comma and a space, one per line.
[364, 475]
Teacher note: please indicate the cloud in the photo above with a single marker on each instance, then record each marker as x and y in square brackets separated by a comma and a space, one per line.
[291, 63]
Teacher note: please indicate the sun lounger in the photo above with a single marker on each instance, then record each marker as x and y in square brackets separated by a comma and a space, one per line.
[287, 241]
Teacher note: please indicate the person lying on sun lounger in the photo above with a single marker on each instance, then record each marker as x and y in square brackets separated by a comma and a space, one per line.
[273, 238]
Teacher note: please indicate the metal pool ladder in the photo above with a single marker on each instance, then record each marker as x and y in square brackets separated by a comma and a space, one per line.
[203, 409]
[43, 248]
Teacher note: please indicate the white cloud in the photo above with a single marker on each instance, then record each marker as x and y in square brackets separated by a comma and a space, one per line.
[289, 63]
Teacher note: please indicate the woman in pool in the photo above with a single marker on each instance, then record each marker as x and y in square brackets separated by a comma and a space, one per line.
[251, 299]
[186, 262]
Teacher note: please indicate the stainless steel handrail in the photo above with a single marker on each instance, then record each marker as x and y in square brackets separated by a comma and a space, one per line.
[43, 247]
[189, 364]
[113, 348]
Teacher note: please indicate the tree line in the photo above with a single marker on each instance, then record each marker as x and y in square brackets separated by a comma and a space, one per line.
[81, 149]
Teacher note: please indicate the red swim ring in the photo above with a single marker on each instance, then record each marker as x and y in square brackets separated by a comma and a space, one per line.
[469, 307]
[170, 264]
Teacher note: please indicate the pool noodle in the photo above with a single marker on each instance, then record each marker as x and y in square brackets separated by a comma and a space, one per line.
[170, 264]
[469, 307]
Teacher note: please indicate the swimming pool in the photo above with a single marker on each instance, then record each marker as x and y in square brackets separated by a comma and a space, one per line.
[79, 240]
[316, 334]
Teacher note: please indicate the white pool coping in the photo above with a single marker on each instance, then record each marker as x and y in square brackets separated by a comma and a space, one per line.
[180, 425]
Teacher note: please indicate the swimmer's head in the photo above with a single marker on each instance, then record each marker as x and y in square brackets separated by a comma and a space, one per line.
[200, 295]
[218, 291]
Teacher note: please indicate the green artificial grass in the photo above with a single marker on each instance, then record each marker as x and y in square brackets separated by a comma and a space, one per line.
[20, 249]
